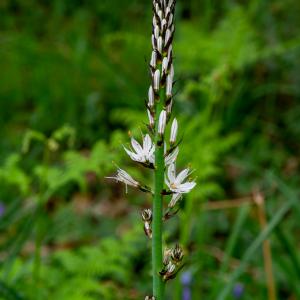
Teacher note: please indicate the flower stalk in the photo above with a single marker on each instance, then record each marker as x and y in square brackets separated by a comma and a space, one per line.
[158, 153]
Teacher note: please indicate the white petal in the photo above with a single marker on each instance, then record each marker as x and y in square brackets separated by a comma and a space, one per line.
[181, 176]
[171, 158]
[133, 155]
[174, 200]
[136, 146]
[147, 143]
[171, 173]
[186, 187]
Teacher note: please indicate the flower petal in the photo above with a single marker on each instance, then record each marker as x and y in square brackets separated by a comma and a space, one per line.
[186, 187]
[174, 200]
[136, 146]
[181, 176]
[171, 173]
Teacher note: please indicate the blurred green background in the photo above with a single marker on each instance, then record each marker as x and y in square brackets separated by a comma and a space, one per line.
[73, 80]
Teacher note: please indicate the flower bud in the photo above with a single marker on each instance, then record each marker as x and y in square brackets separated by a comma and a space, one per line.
[147, 215]
[168, 36]
[162, 122]
[156, 80]
[165, 64]
[159, 44]
[163, 23]
[160, 14]
[169, 107]
[169, 86]
[153, 59]
[150, 96]
[170, 268]
[156, 32]
[177, 254]
[151, 119]
[170, 20]
[174, 129]
[153, 41]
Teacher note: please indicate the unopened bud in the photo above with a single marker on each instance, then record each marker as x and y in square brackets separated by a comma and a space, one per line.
[156, 80]
[174, 129]
[159, 44]
[151, 96]
[162, 122]
[165, 64]
[168, 36]
[147, 215]
[169, 86]
[148, 230]
[151, 119]
[153, 59]
[156, 32]
[177, 254]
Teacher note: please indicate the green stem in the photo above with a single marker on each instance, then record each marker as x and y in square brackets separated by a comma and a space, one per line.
[157, 253]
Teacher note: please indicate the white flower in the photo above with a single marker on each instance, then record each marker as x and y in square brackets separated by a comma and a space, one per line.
[162, 122]
[171, 158]
[123, 176]
[141, 154]
[174, 129]
[176, 183]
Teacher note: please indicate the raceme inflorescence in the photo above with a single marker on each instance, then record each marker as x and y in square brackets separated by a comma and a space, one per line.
[158, 152]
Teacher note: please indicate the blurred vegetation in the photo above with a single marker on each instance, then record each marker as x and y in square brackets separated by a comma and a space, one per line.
[73, 83]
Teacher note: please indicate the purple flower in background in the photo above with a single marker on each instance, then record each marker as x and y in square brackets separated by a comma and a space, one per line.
[238, 290]
[2, 209]
[186, 279]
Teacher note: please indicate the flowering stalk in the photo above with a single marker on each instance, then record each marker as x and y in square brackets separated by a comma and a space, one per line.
[160, 155]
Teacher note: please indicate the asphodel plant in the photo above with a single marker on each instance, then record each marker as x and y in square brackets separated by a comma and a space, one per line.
[159, 152]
